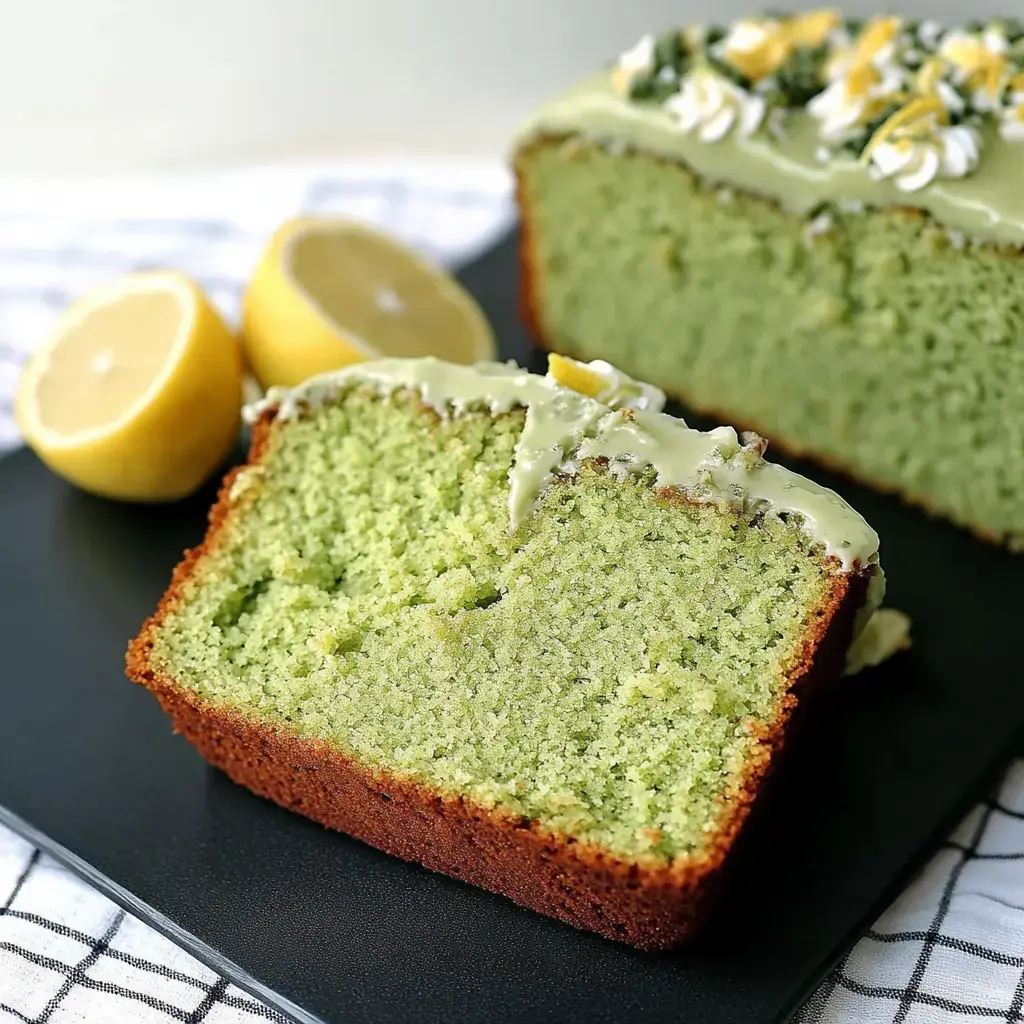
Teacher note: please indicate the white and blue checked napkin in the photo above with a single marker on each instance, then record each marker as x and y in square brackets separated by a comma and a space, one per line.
[949, 951]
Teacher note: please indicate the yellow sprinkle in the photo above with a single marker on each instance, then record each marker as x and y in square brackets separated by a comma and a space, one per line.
[860, 80]
[960, 52]
[982, 68]
[877, 34]
[916, 110]
[929, 76]
[812, 28]
[992, 77]
[757, 62]
[576, 375]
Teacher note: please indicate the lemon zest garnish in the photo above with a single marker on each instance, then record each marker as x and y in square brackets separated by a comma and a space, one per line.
[992, 78]
[877, 34]
[981, 67]
[860, 79]
[575, 375]
[916, 110]
[929, 76]
[812, 29]
[760, 61]
[779, 41]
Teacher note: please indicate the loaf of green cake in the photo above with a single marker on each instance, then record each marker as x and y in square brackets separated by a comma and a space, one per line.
[810, 226]
[528, 631]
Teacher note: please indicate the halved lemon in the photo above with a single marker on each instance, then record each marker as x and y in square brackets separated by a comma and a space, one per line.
[137, 392]
[330, 292]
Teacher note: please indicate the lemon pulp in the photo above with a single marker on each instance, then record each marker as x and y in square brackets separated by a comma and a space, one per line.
[328, 293]
[136, 394]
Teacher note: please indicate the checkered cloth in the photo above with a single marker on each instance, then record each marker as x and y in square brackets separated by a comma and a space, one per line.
[949, 951]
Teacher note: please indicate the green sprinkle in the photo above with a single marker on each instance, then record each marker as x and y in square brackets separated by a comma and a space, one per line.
[858, 144]
[802, 77]
[670, 51]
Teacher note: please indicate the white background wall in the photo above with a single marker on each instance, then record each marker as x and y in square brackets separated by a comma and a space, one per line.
[115, 86]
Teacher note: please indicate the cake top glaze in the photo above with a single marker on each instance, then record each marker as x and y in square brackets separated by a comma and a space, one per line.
[909, 99]
[845, 124]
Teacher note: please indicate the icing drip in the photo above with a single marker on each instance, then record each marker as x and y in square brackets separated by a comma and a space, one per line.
[625, 426]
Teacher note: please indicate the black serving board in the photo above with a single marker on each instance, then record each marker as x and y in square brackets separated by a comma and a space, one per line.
[89, 767]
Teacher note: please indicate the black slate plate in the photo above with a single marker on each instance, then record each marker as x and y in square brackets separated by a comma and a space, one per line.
[889, 763]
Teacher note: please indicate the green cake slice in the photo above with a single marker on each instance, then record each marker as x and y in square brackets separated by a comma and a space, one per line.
[539, 637]
[810, 226]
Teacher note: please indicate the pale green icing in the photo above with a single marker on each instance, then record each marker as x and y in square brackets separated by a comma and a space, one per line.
[987, 204]
[553, 428]
[886, 632]
[562, 425]
[716, 462]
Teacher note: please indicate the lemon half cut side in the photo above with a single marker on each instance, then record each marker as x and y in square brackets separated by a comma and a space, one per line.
[329, 292]
[136, 393]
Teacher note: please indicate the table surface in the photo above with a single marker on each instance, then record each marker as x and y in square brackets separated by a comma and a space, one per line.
[892, 760]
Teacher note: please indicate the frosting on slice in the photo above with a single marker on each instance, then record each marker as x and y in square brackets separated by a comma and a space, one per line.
[625, 426]
[885, 633]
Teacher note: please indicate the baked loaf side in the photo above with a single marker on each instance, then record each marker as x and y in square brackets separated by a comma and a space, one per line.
[577, 712]
[842, 271]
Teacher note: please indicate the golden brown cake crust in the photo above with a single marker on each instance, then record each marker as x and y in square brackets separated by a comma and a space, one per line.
[530, 306]
[650, 904]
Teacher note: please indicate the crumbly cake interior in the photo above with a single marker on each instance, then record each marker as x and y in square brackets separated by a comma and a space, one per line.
[601, 670]
[875, 333]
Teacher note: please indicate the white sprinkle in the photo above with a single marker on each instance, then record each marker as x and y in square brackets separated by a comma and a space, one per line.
[822, 155]
[102, 363]
[928, 33]
[819, 226]
[951, 99]
[639, 58]
[726, 195]
[957, 239]
[667, 74]
[387, 301]
[851, 206]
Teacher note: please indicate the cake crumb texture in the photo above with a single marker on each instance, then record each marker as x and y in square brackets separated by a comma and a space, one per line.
[608, 672]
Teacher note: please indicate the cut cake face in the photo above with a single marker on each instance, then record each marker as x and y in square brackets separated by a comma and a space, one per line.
[477, 588]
